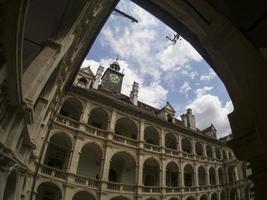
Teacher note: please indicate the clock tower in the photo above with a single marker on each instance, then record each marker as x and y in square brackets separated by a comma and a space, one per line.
[112, 78]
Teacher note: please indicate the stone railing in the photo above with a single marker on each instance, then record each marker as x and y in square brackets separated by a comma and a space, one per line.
[171, 151]
[120, 187]
[96, 131]
[152, 147]
[86, 181]
[203, 188]
[173, 189]
[57, 173]
[67, 121]
[125, 140]
[151, 189]
[187, 155]
[190, 189]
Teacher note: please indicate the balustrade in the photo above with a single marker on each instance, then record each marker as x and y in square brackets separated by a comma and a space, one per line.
[124, 140]
[120, 187]
[151, 189]
[173, 189]
[152, 147]
[50, 171]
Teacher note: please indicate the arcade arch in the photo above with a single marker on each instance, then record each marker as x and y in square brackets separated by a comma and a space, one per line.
[58, 151]
[126, 127]
[48, 191]
[122, 168]
[72, 108]
[172, 174]
[151, 135]
[189, 179]
[10, 188]
[98, 118]
[90, 161]
[171, 141]
[151, 172]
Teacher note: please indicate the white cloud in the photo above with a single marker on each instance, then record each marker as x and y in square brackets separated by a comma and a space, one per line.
[202, 91]
[209, 76]
[209, 109]
[178, 55]
[185, 88]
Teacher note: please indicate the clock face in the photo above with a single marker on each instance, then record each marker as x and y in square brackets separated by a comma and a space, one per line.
[114, 78]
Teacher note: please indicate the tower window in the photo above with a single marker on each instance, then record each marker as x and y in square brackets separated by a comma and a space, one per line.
[82, 82]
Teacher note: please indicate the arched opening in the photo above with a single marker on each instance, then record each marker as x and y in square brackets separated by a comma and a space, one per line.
[190, 198]
[172, 173]
[58, 151]
[72, 108]
[126, 128]
[199, 149]
[186, 145]
[120, 198]
[122, 168]
[223, 195]
[10, 188]
[218, 153]
[151, 171]
[90, 161]
[83, 195]
[151, 135]
[189, 180]
[204, 197]
[202, 179]
[48, 191]
[232, 174]
[230, 155]
[170, 141]
[212, 176]
[82, 82]
[209, 151]
[234, 194]
[224, 155]
[98, 118]
[221, 176]
[214, 196]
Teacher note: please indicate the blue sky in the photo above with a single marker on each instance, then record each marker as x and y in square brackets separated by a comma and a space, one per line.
[165, 72]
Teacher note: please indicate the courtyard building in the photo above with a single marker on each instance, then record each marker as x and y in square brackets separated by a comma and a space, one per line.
[104, 145]
[67, 134]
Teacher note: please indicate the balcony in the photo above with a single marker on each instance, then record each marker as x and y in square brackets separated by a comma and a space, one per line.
[125, 140]
[151, 189]
[120, 187]
[93, 183]
[70, 123]
[171, 152]
[53, 172]
[67, 121]
[152, 147]
[173, 189]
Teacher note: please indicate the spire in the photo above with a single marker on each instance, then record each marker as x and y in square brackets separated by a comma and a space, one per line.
[98, 77]
[134, 93]
[115, 65]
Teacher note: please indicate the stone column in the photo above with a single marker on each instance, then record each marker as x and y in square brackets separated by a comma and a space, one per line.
[162, 140]
[85, 115]
[207, 176]
[107, 160]
[205, 150]
[194, 147]
[196, 177]
[217, 177]
[141, 133]
[164, 165]
[74, 161]
[112, 123]
[140, 171]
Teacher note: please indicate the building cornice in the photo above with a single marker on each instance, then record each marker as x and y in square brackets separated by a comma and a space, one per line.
[114, 102]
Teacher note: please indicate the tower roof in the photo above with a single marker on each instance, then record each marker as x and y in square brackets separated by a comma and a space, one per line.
[115, 65]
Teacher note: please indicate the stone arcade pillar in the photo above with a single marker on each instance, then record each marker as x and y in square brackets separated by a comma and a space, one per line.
[74, 160]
